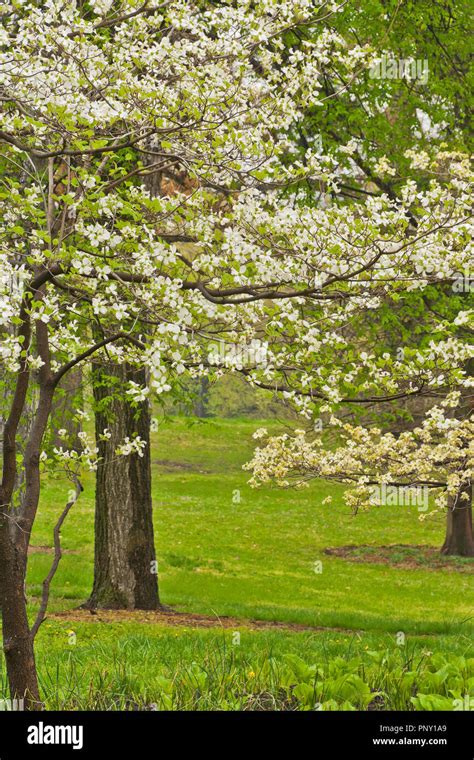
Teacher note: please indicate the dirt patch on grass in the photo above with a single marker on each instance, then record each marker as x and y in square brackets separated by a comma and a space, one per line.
[49, 550]
[168, 464]
[185, 619]
[403, 555]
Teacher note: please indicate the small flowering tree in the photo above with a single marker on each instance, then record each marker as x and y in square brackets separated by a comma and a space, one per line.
[438, 456]
[341, 359]
[95, 267]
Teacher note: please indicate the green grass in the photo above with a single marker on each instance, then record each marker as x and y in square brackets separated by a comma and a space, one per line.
[226, 549]
[141, 666]
[256, 558]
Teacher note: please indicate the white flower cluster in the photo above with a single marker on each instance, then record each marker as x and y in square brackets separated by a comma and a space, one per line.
[131, 446]
[438, 455]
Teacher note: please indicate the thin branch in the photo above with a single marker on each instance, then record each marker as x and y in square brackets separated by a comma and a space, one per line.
[57, 558]
[143, 10]
[39, 153]
[85, 355]
[278, 388]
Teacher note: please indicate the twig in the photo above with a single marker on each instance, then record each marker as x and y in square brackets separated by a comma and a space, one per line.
[57, 557]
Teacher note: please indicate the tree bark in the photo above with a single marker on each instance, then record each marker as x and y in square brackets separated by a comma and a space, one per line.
[125, 571]
[202, 399]
[16, 525]
[17, 639]
[459, 538]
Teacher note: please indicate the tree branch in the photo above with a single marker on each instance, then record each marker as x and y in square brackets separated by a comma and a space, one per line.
[57, 558]
[85, 354]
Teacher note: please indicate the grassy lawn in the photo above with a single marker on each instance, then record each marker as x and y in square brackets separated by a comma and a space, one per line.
[225, 549]
[128, 665]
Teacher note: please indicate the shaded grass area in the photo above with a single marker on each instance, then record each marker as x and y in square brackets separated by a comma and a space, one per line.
[402, 555]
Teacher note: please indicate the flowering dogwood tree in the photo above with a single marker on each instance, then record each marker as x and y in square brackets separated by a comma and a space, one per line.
[332, 360]
[437, 456]
[358, 125]
[96, 267]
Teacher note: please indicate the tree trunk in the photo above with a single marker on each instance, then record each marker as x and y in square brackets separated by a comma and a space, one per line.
[459, 538]
[202, 399]
[15, 532]
[17, 639]
[125, 572]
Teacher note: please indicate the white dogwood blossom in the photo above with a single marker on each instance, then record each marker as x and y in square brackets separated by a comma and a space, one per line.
[438, 455]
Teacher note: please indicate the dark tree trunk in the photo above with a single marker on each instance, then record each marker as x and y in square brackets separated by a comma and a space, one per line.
[125, 574]
[15, 532]
[459, 538]
[202, 400]
[17, 639]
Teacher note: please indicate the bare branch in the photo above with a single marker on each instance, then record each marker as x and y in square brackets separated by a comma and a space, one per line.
[57, 558]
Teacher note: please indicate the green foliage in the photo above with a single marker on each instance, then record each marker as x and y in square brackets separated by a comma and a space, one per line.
[137, 666]
[229, 396]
